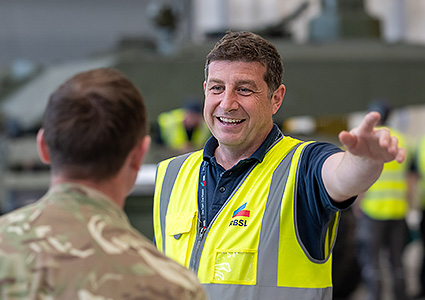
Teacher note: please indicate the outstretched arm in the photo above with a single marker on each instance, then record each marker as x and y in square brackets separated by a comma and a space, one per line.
[349, 173]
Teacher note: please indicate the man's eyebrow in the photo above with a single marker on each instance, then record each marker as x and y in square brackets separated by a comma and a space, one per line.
[240, 82]
[248, 82]
[214, 80]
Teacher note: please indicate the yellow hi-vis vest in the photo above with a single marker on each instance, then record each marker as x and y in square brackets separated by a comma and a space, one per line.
[174, 134]
[386, 199]
[252, 255]
[421, 170]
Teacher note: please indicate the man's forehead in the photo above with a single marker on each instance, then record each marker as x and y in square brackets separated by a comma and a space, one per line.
[240, 72]
[241, 63]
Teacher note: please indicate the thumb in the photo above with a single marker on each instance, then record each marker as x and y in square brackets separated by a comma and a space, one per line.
[347, 139]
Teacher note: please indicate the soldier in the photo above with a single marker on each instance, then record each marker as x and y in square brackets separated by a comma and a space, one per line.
[76, 242]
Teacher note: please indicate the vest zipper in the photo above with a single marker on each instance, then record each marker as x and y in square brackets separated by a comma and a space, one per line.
[202, 232]
[197, 249]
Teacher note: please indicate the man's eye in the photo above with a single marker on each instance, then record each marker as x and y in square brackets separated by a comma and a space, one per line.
[245, 91]
[216, 89]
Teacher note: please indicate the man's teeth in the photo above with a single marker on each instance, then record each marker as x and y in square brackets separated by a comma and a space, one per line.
[233, 121]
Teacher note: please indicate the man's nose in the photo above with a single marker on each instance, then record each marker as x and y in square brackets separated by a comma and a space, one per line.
[229, 101]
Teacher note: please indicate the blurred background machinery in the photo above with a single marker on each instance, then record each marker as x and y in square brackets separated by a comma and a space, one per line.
[337, 55]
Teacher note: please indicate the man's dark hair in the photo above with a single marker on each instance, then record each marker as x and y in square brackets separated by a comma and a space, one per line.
[249, 47]
[92, 122]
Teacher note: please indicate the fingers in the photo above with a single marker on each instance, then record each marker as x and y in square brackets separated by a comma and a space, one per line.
[398, 153]
[370, 121]
[385, 138]
[366, 127]
[375, 143]
[401, 155]
[394, 144]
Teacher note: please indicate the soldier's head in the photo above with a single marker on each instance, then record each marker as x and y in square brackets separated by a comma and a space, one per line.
[91, 123]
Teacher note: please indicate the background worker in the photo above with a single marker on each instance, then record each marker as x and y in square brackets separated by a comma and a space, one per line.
[255, 212]
[382, 224]
[183, 129]
[418, 177]
[76, 242]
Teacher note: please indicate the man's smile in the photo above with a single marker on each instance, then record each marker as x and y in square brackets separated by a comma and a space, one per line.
[229, 121]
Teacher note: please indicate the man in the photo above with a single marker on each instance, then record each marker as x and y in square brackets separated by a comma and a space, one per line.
[382, 223]
[183, 129]
[76, 242]
[417, 180]
[255, 213]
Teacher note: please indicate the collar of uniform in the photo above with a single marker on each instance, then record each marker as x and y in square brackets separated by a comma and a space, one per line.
[274, 135]
[91, 197]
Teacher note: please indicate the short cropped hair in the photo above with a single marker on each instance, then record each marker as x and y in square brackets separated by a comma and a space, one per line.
[249, 47]
[92, 122]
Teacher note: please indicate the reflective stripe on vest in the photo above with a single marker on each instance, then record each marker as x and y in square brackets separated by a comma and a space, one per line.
[387, 197]
[258, 253]
[257, 292]
[168, 182]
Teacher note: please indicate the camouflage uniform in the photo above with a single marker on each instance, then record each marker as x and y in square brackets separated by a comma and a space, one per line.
[75, 243]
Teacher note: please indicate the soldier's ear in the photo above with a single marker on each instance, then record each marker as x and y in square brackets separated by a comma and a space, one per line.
[43, 149]
[138, 153]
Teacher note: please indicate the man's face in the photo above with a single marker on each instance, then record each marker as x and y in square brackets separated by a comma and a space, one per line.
[237, 108]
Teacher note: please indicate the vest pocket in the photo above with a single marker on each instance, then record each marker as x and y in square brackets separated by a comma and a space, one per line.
[181, 233]
[235, 267]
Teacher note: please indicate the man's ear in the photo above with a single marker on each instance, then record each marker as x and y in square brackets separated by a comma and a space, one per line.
[277, 98]
[43, 149]
[139, 152]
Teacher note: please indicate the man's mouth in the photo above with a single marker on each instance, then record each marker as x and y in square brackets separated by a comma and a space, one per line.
[229, 121]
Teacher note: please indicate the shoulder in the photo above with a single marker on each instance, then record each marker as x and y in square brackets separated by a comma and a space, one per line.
[177, 278]
[178, 161]
[19, 218]
[130, 257]
[112, 263]
[311, 162]
[319, 151]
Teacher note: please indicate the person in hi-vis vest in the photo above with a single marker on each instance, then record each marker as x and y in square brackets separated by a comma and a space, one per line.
[183, 129]
[417, 179]
[255, 213]
[382, 219]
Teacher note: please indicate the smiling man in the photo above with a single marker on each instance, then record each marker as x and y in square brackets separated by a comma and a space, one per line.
[255, 212]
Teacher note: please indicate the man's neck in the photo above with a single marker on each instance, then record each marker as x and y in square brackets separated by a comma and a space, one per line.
[227, 156]
[227, 159]
[109, 188]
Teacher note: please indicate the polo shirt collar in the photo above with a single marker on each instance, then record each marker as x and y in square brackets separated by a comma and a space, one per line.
[274, 135]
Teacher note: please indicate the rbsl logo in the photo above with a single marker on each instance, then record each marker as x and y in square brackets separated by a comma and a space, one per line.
[240, 212]
[241, 223]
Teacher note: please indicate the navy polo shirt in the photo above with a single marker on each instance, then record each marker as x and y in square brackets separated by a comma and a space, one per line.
[315, 208]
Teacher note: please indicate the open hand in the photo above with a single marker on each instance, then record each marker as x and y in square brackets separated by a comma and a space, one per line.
[374, 143]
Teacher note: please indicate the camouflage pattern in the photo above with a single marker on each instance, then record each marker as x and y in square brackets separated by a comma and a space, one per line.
[75, 243]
